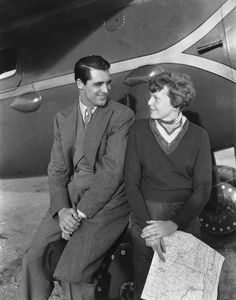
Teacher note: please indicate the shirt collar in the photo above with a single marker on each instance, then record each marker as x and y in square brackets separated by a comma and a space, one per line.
[84, 107]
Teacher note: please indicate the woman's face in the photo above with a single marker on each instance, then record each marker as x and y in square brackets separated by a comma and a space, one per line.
[161, 107]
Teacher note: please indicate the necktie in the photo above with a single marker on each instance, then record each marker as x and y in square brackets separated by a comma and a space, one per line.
[88, 116]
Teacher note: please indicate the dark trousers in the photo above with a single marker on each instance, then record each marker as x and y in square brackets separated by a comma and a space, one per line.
[34, 284]
[142, 258]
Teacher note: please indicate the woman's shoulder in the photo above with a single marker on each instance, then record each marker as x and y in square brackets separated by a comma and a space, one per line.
[140, 128]
[140, 124]
[197, 130]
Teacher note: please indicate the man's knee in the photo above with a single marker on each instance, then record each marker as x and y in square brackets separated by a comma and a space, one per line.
[30, 258]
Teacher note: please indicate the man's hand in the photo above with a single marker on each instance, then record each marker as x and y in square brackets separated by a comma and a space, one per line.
[159, 229]
[69, 221]
[158, 246]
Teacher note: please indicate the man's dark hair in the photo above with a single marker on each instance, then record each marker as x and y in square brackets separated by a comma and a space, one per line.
[181, 90]
[83, 66]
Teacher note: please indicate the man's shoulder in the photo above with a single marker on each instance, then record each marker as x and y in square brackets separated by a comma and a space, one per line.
[120, 113]
[119, 107]
[66, 111]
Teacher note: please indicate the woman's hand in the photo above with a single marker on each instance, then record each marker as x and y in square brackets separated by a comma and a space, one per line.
[158, 246]
[158, 229]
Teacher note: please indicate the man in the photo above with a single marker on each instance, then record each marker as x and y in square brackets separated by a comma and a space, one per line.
[87, 202]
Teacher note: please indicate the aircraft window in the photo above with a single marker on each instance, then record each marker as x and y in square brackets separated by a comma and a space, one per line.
[8, 61]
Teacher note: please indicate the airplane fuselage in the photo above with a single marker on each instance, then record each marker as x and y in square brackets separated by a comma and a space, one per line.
[195, 37]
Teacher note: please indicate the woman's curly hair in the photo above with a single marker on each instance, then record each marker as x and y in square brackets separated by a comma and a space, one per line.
[181, 90]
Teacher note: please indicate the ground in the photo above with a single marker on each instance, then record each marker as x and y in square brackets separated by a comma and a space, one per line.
[23, 202]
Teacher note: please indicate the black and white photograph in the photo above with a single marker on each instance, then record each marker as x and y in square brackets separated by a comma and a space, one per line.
[117, 150]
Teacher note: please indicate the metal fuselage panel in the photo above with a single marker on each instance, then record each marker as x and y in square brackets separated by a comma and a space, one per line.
[147, 32]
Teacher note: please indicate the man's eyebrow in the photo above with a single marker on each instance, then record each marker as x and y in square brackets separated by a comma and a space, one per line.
[101, 82]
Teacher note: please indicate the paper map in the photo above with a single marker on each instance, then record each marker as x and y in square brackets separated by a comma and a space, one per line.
[191, 271]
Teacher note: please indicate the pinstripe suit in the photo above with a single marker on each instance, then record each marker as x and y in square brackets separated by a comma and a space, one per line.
[103, 202]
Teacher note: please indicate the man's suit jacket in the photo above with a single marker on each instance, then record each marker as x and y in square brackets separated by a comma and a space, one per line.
[104, 202]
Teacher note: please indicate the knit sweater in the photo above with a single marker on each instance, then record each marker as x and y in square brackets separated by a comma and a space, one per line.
[177, 185]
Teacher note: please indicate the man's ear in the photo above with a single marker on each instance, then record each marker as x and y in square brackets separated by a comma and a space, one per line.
[79, 84]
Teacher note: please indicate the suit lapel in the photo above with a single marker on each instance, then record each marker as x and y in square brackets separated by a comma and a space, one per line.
[79, 144]
[70, 132]
[95, 131]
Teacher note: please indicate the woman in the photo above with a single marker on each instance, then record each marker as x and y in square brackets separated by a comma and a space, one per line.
[167, 172]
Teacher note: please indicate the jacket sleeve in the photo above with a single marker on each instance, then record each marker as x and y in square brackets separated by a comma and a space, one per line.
[58, 174]
[133, 171]
[109, 172]
[202, 183]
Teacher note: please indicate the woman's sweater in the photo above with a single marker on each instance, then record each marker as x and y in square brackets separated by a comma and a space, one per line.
[180, 181]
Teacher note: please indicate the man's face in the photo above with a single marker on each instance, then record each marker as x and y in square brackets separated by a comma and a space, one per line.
[160, 105]
[96, 90]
